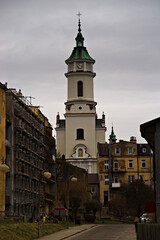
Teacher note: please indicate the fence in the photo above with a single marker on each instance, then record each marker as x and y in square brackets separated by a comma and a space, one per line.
[149, 231]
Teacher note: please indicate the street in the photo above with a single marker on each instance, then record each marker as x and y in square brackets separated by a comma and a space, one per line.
[108, 232]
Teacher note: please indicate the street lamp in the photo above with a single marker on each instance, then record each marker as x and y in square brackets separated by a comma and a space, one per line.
[69, 180]
[3, 169]
[47, 175]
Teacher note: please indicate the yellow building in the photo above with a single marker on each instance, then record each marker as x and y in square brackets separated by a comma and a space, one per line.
[2, 146]
[122, 162]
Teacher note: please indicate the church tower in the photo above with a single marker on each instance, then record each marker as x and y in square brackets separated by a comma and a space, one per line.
[79, 133]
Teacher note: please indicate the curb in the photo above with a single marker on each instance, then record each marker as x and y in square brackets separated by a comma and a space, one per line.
[73, 234]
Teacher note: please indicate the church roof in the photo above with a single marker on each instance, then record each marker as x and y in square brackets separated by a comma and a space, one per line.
[79, 52]
[62, 123]
[99, 123]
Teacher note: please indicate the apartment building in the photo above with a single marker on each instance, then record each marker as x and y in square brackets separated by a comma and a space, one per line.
[122, 162]
[26, 158]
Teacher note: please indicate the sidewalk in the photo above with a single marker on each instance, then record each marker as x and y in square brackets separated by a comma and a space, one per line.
[129, 234]
[71, 231]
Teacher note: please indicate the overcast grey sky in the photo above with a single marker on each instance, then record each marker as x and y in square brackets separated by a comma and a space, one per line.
[123, 36]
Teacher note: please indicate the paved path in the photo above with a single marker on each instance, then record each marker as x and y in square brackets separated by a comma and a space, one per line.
[95, 232]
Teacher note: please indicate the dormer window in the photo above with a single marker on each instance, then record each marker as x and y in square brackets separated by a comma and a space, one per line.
[144, 150]
[117, 150]
[130, 150]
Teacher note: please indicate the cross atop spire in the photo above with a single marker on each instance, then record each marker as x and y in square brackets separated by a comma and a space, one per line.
[79, 52]
[79, 15]
[79, 22]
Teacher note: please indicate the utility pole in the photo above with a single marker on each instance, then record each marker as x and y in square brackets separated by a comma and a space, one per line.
[110, 169]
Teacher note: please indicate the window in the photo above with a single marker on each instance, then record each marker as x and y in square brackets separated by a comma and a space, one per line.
[80, 133]
[117, 150]
[130, 150]
[144, 150]
[116, 179]
[106, 179]
[80, 89]
[80, 152]
[143, 164]
[116, 165]
[105, 197]
[106, 164]
[93, 189]
[130, 164]
[130, 178]
[141, 178]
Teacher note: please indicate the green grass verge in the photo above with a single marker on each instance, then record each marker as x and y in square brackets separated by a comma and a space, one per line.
[100, 221]
[11, 230]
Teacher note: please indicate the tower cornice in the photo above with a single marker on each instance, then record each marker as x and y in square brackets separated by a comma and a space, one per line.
[80, 101]
[80, 114]
[80, 60]
[80, 73]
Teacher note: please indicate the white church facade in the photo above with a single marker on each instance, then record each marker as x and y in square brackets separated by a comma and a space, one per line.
[78, 134]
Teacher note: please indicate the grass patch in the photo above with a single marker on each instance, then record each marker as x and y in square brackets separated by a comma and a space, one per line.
[11, 230]
[100, 221]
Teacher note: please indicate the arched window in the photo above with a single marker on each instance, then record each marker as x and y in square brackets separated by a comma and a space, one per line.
[80, 89]
[80, 133]
[80, 152]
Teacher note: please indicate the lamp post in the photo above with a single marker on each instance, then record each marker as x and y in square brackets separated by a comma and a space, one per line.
[47, 175]
[70, 179]
[3, 169]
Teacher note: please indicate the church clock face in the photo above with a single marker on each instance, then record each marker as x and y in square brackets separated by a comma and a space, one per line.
[79, 65]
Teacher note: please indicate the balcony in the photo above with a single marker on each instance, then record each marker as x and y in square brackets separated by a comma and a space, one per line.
[116, 185]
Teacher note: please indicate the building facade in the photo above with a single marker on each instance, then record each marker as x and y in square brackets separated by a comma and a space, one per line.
[151, 132]
[78, 134]
[49, 164]
[123, 162]
[26, 134]
[2, 146]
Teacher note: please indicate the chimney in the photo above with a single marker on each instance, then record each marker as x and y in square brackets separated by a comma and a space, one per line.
[133, 139]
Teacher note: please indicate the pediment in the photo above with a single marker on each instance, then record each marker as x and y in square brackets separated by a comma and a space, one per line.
[80, 151]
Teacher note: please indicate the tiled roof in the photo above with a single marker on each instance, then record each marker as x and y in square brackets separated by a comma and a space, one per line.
[103, 149]
[140, 148]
